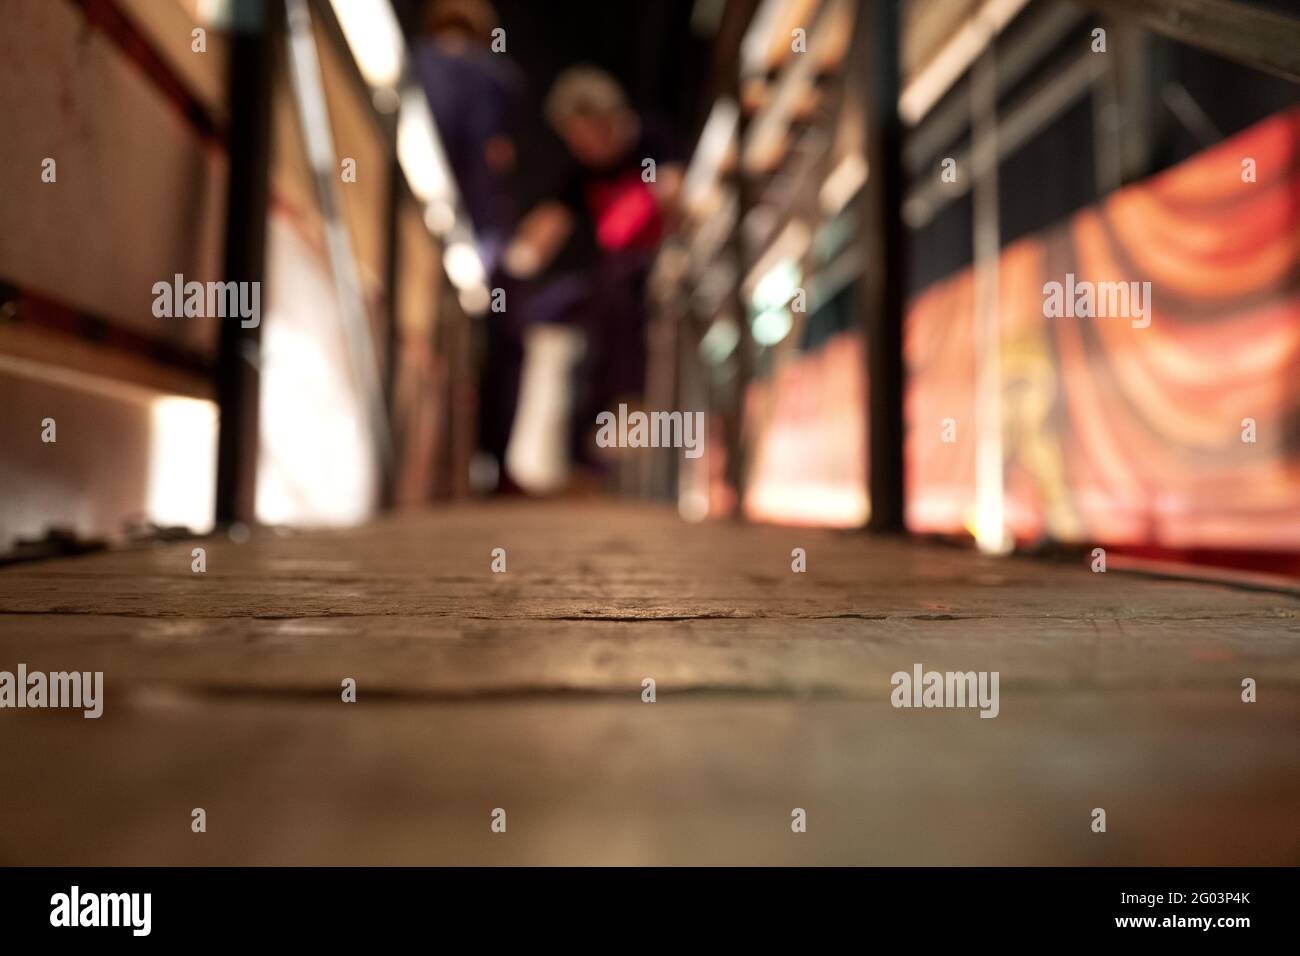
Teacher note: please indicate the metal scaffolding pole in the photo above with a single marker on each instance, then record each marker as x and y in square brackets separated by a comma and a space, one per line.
[875, 69]
[254, 26]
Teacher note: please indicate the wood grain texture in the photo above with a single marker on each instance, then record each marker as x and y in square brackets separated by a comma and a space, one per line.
[523, 691]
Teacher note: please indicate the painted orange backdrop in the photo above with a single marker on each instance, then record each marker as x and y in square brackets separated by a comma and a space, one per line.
[1133, 435]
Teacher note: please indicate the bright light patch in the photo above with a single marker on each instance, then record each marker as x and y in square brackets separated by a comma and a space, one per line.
[440, 217]
[420, 152]
[716, 140]
[374, 37]
[777, 286]
[719, 341]
[316, 463]
[843, 183]
[475, 299]
[182, 463]
[803, 503]
[464, 267]
[213, 13]
[313, 437]
[771, 327]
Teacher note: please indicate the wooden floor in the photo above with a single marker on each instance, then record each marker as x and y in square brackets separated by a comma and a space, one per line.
[523, 691]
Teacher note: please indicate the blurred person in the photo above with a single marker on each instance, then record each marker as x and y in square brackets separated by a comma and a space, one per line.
[475, 95]
[590, 245]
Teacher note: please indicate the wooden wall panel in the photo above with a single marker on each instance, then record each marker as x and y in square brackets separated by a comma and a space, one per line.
[138, 197]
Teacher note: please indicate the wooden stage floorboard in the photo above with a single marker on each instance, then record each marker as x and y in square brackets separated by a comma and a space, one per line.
[523, 691]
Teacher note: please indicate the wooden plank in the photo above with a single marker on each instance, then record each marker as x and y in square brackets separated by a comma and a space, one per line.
[523, 690]
[1260, 38]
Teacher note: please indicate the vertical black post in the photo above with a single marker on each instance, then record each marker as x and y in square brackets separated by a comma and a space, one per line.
[393, 340]
[254, 28]
[744, 355]
[736, 18]
[882, 288]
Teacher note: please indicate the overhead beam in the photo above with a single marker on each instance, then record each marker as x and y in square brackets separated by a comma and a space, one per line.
[950, 63]
[1258, 38]
[1040, 30]
[1031, 113]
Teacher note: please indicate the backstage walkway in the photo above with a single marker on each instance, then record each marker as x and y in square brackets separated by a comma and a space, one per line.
[523, 691]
